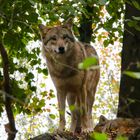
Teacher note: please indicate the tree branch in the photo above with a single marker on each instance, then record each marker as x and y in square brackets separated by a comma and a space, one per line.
[10, 128]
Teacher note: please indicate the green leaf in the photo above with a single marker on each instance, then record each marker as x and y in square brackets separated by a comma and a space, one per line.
[33, 88]
[137, 27]
[132, 74]
[132, 23]
[41, 103]
[121, 40]
[106, 43]
[35, 100]
[136, 4]
[121, 138]
[99, 136]
[30, 75]
[72, 107]
[52, 95]
[44, 93]
[33, 62]
[136, 18]
[52, 116]
[18, 92]
[32, 2]
[88, 62]
[22, 69]
[39, 69]
[131, 100]
[45, 72]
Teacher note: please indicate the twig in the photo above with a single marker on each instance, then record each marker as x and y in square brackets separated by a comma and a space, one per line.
[26, 24]
[11, 97]
[129, 32]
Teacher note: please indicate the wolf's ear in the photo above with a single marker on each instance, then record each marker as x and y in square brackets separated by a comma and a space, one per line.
[43, 29]
[69, 23]
[102, 119]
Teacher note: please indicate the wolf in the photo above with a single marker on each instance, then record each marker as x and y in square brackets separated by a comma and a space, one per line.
[63, 53]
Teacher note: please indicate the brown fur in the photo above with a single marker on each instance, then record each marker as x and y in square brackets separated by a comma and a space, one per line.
[63, 54]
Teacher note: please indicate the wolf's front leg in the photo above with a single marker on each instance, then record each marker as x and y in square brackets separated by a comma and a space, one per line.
[61, 97]
[85, 122]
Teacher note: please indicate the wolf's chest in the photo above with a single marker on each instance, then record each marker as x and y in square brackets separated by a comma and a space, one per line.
[71, 84]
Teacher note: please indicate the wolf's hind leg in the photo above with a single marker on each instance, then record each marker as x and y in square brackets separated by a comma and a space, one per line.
[71, 101]
[90, 101]
[82, 114]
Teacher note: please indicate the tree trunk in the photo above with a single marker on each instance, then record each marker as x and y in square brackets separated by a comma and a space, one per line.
[10, 127]
[129, 95]
[85, 29]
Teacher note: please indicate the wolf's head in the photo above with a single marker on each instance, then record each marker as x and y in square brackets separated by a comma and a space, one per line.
[59, 40]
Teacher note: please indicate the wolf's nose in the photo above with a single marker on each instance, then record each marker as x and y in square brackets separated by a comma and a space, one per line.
[61, 50]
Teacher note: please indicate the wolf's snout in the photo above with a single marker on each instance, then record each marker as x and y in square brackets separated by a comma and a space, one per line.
[61, 50]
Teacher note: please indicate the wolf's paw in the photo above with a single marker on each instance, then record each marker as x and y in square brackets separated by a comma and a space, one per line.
[86, 127]
[60, 129]
[87, 130]
[73, 128]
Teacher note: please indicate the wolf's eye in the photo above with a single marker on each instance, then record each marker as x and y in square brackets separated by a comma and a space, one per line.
[53, 38]
[65, 36]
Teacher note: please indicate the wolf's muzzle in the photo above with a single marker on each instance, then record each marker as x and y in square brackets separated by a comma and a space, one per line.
[61, 50]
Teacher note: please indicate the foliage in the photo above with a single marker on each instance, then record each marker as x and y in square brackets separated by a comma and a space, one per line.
[134, 22]
[121, 138]
[135, 75]
[98, 136]
[90, 62]
[18, 26]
